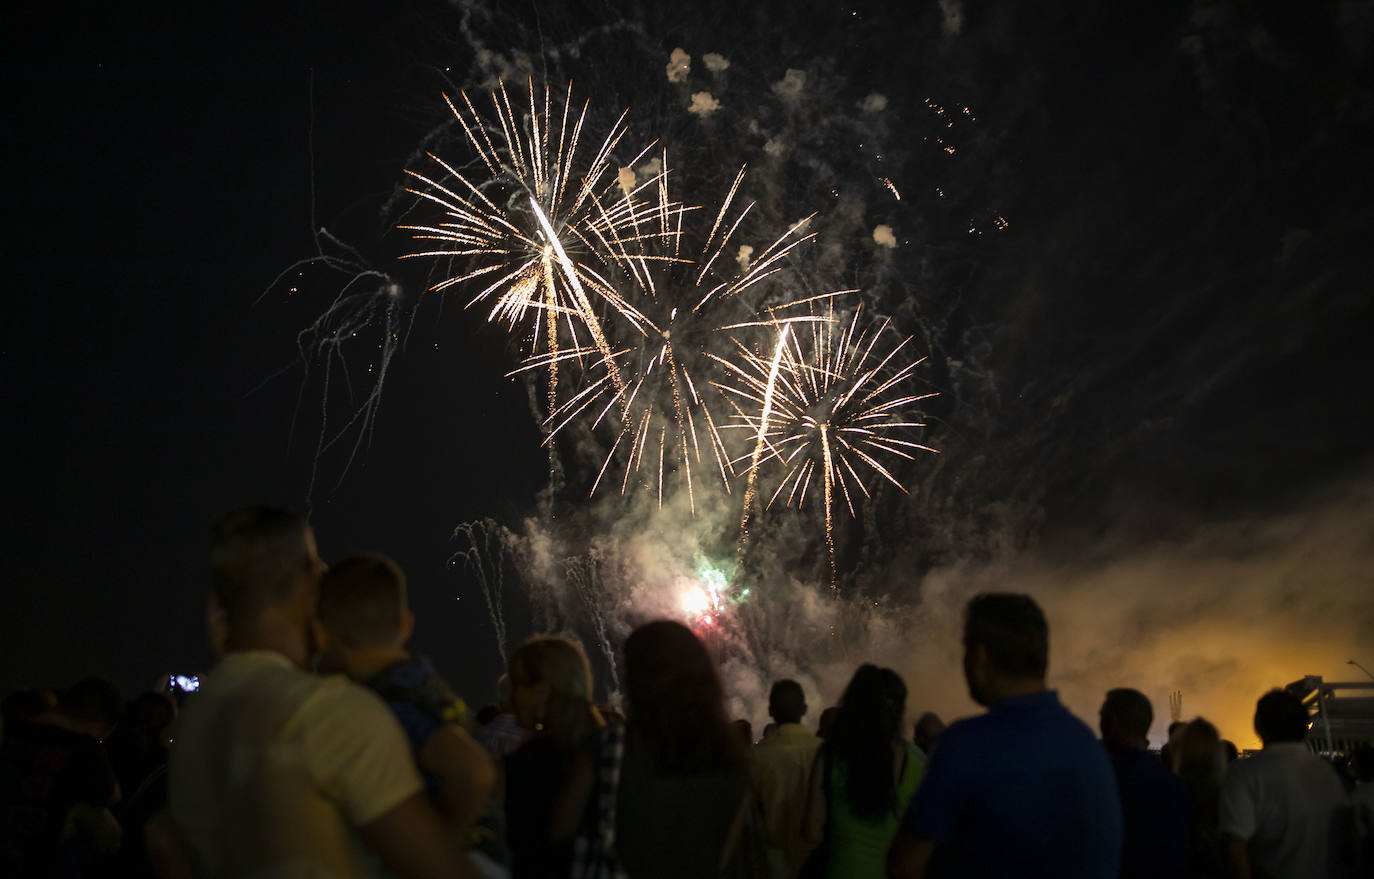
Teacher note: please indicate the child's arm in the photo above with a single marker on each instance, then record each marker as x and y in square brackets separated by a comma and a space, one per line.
[465, 774]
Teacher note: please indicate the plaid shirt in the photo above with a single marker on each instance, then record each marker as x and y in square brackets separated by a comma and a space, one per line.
[594, 856]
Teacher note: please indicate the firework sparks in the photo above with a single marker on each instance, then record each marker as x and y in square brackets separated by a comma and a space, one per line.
[536, 230]
[824, 407]
[675, 315]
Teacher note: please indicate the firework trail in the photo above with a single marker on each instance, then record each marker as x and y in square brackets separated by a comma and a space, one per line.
[370, 305]
[823, 409]
[584, 574]
[489, 549]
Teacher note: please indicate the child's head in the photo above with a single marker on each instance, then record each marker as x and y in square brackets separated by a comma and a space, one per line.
[362, 604]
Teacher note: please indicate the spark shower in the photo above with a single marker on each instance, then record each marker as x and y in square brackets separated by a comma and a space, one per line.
[703, 369]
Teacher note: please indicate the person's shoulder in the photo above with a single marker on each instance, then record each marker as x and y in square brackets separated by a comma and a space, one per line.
[969, 728]
[335, 698]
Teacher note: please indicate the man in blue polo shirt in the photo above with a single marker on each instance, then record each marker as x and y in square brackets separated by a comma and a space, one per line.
[1025, 790]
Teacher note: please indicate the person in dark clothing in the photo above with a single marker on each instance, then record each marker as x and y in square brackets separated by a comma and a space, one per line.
[1155, 809]
[57, 785]
[1024, 790]
[139, 751]
[1201, 760]
[671, 788]
[551, 692]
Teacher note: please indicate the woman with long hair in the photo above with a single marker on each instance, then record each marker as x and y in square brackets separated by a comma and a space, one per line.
[672, 786]
[550, 683]
[863, 777]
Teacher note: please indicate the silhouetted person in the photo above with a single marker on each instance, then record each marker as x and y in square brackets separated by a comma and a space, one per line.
[927, 732]
[826, 721]
[1279, 808]
[56, 782]
[672, 786]
[781, 767]
[1155, 809]
[276, 771]
[551, 692]
[1166, 752]
[1201, 763]
[745, 731]
[139, 751]
[365, 623]
[1024, 790]
[863, 777]
[1229, 748]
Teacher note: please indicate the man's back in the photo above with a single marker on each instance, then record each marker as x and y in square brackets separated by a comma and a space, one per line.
[1024, 790]
[1284, 802]
[273, 768]
[1157, 815]
[781, 769]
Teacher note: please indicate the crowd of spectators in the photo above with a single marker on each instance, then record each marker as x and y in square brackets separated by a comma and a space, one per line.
[320, 746]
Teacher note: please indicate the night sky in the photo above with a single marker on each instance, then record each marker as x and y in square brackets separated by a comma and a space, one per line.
[1155, 380]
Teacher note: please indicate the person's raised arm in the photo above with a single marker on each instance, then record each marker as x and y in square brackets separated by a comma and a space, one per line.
[465, 773]
[413, 842]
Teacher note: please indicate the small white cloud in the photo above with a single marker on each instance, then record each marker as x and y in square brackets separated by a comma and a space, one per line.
[703, 104]
[791, 84]
[650, 168]
[884, 237]
[716, 63]
[775, 147]
[745, 254]
[874, 103]
[679, 65]
[954, 17]
[626, 178]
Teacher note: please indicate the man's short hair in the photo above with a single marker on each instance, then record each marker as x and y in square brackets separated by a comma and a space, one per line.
[1281, 717]
[256, 555]
[1132, 710]
[786, 701]
[1013, 631]
[363, 600]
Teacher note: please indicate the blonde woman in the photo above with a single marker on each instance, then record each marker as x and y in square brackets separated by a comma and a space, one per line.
[551, 693]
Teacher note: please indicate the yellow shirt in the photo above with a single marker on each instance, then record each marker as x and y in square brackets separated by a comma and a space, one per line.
[781, 769]
[273, 767]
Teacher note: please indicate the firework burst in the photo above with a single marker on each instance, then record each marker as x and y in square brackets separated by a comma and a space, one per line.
[535, 231]
[823, 407]
[682, 304]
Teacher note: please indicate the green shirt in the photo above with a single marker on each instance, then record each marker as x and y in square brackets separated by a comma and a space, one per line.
[858, 846]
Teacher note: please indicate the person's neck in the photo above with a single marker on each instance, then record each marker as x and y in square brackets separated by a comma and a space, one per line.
[272, 632]
[1007, 688]
[363, 663]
